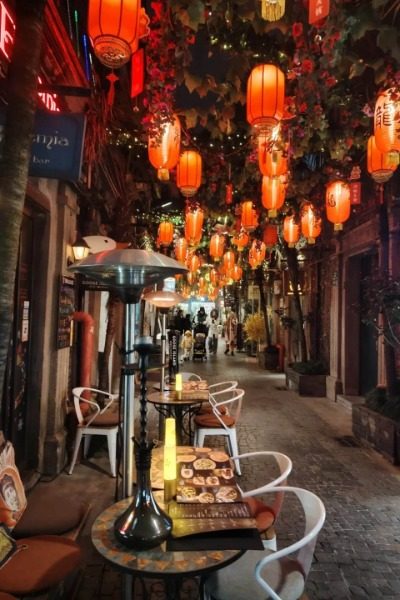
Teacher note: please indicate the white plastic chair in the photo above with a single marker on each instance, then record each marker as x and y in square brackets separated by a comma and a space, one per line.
[266, 515]
[215, 390]
[260, 575]
[99, 421]
[222, 421]
[186, 376]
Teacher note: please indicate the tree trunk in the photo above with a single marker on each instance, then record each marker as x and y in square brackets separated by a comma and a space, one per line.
[22, 82]
[112, 308]
[263, 303]
[392, 383]
[293, 269]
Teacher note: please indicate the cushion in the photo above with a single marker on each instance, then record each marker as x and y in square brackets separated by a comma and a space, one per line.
[210, 420]
[48, 513]
[207, 408]
[12, 493]
[107, 419]
[263, 514]
[41, 563]
[237, 581]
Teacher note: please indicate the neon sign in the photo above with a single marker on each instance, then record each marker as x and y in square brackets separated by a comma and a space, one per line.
[7, 32]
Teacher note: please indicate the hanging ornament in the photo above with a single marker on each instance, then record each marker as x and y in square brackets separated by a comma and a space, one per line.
[114, 28]
[137, 73]
[380, 165]
[188, 175]
[291, 231]
[270, 235]
[272, 10]
[181, 249]
[165, 233]
[272, 194]
[194, 218]
[310, 223]
[337, 203]
[249, 218]
[112, 78]
[272, 162]
[164, 148]
[217, 245]
[387, 121]
[265, 97]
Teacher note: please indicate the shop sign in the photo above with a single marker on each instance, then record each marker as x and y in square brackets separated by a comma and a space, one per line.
[57, 145]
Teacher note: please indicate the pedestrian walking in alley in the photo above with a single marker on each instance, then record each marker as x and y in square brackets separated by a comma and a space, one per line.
[212, 335]
[231, 333]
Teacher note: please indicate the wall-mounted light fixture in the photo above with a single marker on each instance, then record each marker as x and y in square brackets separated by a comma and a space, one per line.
[80, 250]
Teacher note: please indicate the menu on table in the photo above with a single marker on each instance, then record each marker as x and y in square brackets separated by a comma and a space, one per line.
[194, 390]
[208, 498]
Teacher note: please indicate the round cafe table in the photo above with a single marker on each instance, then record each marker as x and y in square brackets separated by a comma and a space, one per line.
[167, 404]
[170, 567]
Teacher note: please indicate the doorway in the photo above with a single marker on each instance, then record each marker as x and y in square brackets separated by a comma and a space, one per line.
[368, 356]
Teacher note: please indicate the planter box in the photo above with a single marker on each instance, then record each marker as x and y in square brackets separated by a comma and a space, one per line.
[269, 359]
[377, 431]
[306, 385]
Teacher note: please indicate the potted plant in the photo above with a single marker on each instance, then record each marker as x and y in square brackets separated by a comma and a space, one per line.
[308, 378]
[254, 327]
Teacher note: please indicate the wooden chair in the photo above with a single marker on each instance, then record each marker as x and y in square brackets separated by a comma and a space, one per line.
[98, 420]
[222, 421]
[278, 575]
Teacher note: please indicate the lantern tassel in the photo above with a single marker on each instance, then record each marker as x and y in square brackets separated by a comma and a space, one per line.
[112, 78]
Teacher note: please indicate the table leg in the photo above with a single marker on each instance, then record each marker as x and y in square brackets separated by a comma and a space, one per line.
[179, 424]
[127, 585]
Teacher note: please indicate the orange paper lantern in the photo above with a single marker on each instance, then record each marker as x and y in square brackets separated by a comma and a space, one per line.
[310, 223]
[240, 241]
[258, 250]
[272, 194]
[181, 249]
[114, 29]
[191, 277]
[338, 203]
[194, 225]
[229, 260]
[164, 148]
[193, 263]
[291, 231]
[387, 121]
[214, 276]
[265, 97]
[380, 165]
[188, 175]
[270, 235]
[217, 245]
[236, 273]
[165, 233]
[249, 218]
[272, 162]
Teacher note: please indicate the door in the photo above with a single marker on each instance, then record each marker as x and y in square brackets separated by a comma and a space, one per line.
[368, 338]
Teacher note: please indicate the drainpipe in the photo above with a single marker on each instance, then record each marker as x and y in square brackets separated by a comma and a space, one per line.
[87, 347]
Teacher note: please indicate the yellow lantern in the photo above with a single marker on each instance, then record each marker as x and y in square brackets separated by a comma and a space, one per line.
[272, 10]
[170, 454]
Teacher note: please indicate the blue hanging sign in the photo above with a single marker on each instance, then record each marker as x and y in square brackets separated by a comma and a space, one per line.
[57, 145]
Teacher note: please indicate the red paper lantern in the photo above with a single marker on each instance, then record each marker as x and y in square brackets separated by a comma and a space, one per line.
[310, 223]
[265, 97]
[229, 260]
[188, 175]
[380, 165]
[338, 203]
[181, 249]
[165, 233]
[272, 194]
[258, 251]
[387, 121]
[164, 148]
[236, 273]
[217, 245]
[114, 28]
[214, 277]
[249, 218]
[272, 162]
[291, 231]
[270, 235]
[193, 263]
[228, 193]
[240, 241]
[191, 277]
[194, 225]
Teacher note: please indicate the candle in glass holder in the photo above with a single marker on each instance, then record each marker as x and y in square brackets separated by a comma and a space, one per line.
[178, 385]
[169, 460]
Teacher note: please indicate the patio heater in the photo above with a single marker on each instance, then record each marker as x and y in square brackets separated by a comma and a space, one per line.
[127, 272]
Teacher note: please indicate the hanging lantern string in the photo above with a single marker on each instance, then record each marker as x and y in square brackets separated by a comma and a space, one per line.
[112, 78]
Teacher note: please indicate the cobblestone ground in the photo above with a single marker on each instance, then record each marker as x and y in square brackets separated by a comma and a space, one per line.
[358, 551]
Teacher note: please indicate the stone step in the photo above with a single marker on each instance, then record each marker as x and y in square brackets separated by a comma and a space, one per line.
[349, 401]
